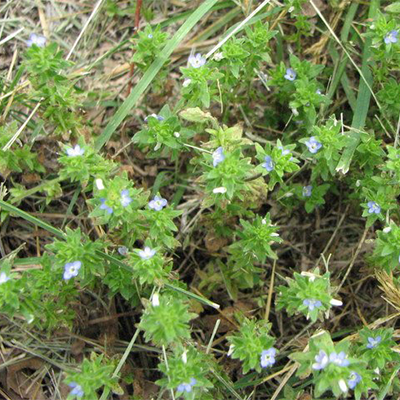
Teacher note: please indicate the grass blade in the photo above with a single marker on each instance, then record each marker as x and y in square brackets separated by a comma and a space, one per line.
[193, 296]
[363, 99]
[121, 363]
[150, 74]
[344, 34]
[341, 76]
[176, 18]
[36, 221]
[383, 393]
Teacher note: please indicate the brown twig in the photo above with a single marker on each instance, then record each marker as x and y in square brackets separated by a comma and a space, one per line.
[136, 29]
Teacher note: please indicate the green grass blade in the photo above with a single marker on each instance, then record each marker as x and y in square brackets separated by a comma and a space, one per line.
[193, 296]
[341, 61]
[340, 76]
[383, 393]
[161, 180]
[227, 384]
[121, 363]
[36, 221]
[215, 27]
[363, 99]
[150, 74]
[364, 94]
[72, 204]
[27, 261]
[251, 21]
[344, 34]
[185, 14]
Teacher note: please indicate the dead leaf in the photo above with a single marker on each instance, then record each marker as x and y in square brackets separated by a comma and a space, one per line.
[77, 347]
[30, 178]
[227, 316]
[151, 170]
[112, 144]
[18, 379]
[129, 169]
[214, 243]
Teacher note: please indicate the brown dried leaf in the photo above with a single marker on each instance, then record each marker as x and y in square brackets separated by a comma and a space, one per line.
[210, 321]
[77, 347]
[214, 243]
[18, 380]
[129, 169]
[30, 178]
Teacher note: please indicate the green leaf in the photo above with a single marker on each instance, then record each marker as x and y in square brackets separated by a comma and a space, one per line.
[393, 8]
[196, 115]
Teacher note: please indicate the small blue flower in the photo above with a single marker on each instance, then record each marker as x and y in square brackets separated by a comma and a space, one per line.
[391, 37]
[321, 361]
[290, 74]
[158, 203]
[104, 206]
[339, 359]
[150, 36]
[318, 91]
[4, 278]
[75, 151]
[147, 253]
[312, 303]
[158, 117]
[37, 40]
[125, 198]
[284, 152]
[123, 250]
[269, 165]
[71, 270]
[186, 387]
[197, 61]
[218, 156]
[354, 379]
[268, 357]
[76, 389]
[373, 207]
[313, 145]
[373, 342]
[307, 191]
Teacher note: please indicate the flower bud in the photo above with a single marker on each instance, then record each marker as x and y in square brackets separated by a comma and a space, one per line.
[155, 300]
[99, 184]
